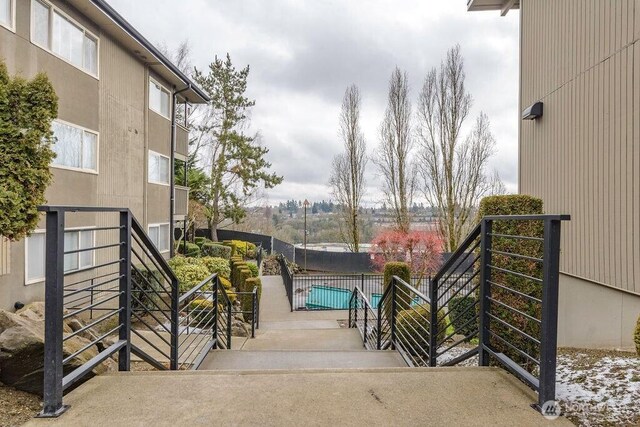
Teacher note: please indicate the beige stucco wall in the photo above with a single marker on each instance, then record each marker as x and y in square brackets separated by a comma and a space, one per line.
[582, 60]
[595, 316]
[116, 106]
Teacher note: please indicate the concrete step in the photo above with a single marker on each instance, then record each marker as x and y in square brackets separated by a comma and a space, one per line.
[247, 360]
[305, 339]
[363, 397]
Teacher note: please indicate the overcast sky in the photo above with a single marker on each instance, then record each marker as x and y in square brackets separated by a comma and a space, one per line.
[304, 53]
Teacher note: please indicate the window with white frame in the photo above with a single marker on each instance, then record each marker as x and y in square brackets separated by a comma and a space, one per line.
[74, 240]
[8, 13]
[159, 235]
[159, 168]
[75, 147]
[56, 32]
[159, 98]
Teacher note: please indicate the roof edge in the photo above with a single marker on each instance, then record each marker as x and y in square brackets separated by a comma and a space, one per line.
[135, 34]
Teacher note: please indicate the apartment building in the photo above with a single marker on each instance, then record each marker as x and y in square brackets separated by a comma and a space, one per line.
[118, 130]
[579, 151]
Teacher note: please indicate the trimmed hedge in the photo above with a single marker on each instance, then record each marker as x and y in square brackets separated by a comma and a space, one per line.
[402, 270]
[255, 272]
[191, 250]
[216, 265]
[215, 250]
[412, 329]
[190, 275]
[636, 337]
[200, 240]
[461, 313]
[231, 245]
[516, 205]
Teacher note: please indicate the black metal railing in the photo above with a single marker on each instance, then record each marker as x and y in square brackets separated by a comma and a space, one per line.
[332, 291]
[502, 307]
[364, 317]
[223, 315]
[110, 284]
[287, 278]
[250, 300]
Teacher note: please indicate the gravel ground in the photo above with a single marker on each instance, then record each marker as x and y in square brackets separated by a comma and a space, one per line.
[599, 388]
[17, 407]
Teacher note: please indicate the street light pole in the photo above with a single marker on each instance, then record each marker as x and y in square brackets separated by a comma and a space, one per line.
[306, 205]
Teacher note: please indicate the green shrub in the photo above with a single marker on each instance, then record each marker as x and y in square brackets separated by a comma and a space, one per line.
[412, 328]
[254, 270]
[177, 261]
[636, 336]
[246, 300]
[27, 109]
[462, 313]
[404, 295]
[191, 251]
[143, 285]
[236, 267]
[200, 240]
[190, 275]
[515, 205]
[230, 244]
[216, 265]
[226, 283]
[243, 275]
[215, 250]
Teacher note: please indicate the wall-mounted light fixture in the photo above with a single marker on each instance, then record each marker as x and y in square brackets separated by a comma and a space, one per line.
[533, 112]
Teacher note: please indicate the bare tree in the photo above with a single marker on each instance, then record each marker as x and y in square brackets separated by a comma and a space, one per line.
[347, 175]
[453, 167]
[394, 153]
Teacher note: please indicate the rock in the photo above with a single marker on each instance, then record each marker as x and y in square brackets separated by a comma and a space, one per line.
[239, 329]
[22, 349]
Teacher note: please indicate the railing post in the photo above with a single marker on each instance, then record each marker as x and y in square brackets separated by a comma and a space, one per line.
[393, 313]
[175, 325]
[214, 297]
[433, 326]
[229, 321]
[549, 327]
[253, 316]
[351, 307]
[379, 343]
[364, 333]
[124, 354]
[54, 305]
[485, 290]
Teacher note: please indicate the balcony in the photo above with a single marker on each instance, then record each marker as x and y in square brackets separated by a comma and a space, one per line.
[182, 142]
[181, 202]
[502, 5]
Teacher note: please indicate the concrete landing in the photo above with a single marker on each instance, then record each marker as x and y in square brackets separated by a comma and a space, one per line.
[305, 339]
[385, 397]
[263, 360]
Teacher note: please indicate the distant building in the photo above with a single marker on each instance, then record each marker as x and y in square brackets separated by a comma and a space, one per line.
[581, 61]
[117, 132]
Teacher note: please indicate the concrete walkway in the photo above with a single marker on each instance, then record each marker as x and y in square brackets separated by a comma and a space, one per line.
[299, 340]
[383, 397]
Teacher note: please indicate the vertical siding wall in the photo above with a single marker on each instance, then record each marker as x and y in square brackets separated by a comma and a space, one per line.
[582, 59]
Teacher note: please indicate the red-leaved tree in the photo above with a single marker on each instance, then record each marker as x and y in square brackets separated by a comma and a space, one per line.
[422, 250]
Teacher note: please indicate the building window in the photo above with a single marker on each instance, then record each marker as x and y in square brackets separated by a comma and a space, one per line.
[7, 14]
[59, 34]
[159, 99]
[73, 240]
[159, 235]
[75, 147]
[159, 168]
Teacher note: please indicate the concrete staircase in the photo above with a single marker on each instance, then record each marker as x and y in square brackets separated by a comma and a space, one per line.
[303, 368]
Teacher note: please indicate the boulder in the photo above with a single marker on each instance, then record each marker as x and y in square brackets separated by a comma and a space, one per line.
[239, 329]
[22, 349]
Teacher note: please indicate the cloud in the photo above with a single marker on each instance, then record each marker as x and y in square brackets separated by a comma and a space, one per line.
[304, 54]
